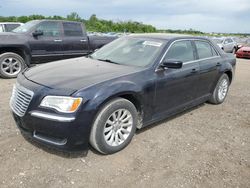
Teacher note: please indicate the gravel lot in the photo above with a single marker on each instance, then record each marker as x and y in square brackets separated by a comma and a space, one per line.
[208, 146]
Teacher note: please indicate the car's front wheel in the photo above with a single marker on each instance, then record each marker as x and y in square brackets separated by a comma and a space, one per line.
[234, 50]
[11, 64]
[221, 90]
[114, 126]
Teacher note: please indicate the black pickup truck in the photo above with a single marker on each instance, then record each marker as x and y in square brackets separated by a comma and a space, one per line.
[42, 41]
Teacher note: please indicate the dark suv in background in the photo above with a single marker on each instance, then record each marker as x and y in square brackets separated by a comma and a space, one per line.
[42, 41]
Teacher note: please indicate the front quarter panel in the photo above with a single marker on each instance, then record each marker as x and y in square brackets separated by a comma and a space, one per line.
[139, 84]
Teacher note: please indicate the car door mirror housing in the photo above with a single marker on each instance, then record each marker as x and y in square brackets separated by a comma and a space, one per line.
[172, 64]
[37, 33]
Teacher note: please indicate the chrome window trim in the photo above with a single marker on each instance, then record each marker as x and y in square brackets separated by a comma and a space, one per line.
[188, 62]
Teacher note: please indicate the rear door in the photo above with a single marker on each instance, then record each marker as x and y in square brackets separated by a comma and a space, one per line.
[75, 41]
[48, 46]
[175, 88]
[210, 62]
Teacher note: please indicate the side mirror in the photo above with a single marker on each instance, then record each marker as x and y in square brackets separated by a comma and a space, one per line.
[172, 64]
[37, 33]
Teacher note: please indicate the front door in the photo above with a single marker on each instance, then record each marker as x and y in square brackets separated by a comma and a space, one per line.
[47, 46]
[177, 87]
[228, 45]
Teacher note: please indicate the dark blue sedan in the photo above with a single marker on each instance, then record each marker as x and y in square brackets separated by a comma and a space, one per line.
[126, 85]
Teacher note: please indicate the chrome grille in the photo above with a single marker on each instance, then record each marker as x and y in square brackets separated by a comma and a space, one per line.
[20, 99]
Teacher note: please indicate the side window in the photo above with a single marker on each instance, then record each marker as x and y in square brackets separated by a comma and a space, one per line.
[10, 27]
[1, 28]
[50, 29]
[205, 50]
[181, 50]
[227, 41]
[72, 29]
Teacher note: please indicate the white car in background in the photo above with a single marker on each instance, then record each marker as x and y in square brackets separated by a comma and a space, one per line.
[227, 44]
[9, 26]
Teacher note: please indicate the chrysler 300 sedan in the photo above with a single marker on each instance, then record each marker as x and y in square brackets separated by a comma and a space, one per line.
[126, 85]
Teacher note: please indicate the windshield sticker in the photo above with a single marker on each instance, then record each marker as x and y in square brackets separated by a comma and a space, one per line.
[152, 43]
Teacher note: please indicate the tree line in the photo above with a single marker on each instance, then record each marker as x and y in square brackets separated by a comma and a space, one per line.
[93, 24]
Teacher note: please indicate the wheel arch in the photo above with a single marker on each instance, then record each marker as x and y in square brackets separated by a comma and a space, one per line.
[229, 74]
[18, 50]
[133, 97]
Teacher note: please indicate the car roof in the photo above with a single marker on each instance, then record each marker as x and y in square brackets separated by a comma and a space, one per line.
[11, 23]
[53, 20]
[166, 36]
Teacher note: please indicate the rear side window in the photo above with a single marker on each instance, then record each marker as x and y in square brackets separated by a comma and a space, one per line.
[181, 50]
[72, 29]
[10, 27]
[205, 50]
[1, 28]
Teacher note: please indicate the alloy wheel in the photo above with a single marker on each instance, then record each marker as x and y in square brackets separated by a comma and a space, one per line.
[11, 66]
[118, 127]
[222, 92]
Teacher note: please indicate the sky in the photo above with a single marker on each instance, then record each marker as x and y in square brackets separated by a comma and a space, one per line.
[203, 15]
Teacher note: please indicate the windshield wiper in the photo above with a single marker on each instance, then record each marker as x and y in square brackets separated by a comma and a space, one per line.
[109, 61]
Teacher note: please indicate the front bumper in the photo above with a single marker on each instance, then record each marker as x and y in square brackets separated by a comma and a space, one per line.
[67, 132]
[65, 136]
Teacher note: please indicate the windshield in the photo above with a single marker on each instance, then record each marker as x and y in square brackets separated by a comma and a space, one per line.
[218, 41]
[130, 51]
[26, 27]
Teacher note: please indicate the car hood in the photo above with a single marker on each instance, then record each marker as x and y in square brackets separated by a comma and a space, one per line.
[76, 73]
[11, 38]
[245, 48]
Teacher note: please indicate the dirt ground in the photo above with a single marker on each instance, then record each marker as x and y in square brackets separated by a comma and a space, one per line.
[208, 146]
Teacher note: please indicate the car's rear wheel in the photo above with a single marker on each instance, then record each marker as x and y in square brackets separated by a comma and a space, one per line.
[114, 126]
[221, 90]
[11, 64]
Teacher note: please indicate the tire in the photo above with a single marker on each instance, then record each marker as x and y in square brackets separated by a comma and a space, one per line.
[221, 90]
[11, 64]
[106, 131]
[234, 50]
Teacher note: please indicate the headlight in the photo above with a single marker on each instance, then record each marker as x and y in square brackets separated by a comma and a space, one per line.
[61, 104]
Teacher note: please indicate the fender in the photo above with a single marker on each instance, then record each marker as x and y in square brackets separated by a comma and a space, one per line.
[109, 91]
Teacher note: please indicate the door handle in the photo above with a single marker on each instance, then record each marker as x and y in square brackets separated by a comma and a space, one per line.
[194, 71]
[218, 64]
[57, 40]
[83, 40]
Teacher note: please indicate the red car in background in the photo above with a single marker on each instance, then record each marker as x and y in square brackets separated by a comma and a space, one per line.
[243, 52]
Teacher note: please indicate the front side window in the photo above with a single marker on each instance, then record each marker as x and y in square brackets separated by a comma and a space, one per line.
[227, 41]
[205, 50]
[181, 51]
[50, 29]
[72, 29]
